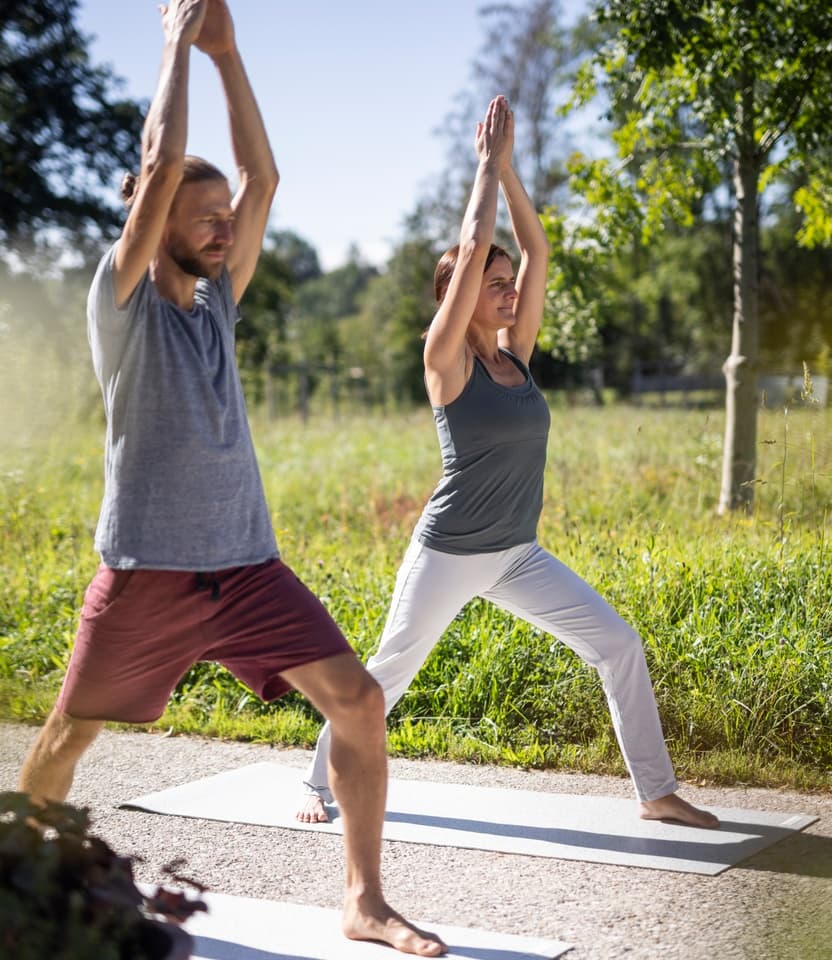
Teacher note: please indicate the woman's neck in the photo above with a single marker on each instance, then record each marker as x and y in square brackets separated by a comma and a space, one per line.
[484, 345]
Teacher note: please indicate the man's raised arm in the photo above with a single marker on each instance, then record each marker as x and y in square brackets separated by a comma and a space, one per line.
[163, 148]
[252, 153]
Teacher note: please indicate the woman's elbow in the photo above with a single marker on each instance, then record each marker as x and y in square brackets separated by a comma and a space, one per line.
[539, 249]
[542, 247]
[272, 179]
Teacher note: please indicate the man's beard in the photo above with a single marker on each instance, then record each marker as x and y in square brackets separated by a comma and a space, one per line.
[189, 261]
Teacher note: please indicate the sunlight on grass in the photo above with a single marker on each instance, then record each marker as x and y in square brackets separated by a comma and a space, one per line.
[734, 611]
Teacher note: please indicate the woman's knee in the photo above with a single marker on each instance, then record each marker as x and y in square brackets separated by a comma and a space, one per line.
[624, 645]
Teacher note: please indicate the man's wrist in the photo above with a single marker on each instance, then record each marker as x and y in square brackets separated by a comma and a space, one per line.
[178, 44]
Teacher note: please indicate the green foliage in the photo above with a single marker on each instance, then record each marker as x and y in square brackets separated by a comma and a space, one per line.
[264, 338]
[665, 307]
[734, 614]
[814, 201]
[570, 327]
[795, 293]
[385, 341]
[353, 330]
[66, 895]
[63, 134]
[320, 304]
[682, 76]
[704, 94]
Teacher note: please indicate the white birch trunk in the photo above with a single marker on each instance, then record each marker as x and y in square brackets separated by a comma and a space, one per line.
[740, 368]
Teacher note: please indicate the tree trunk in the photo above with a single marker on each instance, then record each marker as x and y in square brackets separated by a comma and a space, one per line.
[740, 368]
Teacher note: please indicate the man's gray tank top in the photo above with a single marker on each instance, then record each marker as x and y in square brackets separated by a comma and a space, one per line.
[182, 490]
[493, 442]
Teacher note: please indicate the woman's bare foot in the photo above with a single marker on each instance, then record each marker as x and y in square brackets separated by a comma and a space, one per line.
[312, 810]
[673, 807]
[372, 918]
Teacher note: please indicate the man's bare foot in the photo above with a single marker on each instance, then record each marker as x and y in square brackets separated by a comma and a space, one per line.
[312, 810]
[371, 918]
[673, 807]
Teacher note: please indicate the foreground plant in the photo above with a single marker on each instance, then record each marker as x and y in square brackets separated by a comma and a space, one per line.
[66, 895]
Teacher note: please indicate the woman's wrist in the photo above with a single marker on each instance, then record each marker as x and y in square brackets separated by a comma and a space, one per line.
[225, 58]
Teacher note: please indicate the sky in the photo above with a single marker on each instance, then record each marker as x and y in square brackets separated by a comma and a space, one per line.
[352, 95]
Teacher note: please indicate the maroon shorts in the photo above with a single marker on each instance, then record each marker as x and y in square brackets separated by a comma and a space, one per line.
[141, 630]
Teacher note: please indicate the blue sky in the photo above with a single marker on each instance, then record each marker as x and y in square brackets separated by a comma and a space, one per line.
[351, 94]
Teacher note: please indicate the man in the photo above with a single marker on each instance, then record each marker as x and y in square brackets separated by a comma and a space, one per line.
[190, 566]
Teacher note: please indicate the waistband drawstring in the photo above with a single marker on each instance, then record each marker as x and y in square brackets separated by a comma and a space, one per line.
[206, 580]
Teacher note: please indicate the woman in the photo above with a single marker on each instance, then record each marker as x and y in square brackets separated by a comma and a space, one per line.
[476, 536]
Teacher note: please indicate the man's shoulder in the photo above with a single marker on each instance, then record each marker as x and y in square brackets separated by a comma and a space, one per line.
[106, 260]
[101, 304]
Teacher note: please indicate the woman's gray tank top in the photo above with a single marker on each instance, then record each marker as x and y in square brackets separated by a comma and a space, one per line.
[493, 442]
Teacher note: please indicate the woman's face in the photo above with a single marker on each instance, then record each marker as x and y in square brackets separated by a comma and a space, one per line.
[495, 305]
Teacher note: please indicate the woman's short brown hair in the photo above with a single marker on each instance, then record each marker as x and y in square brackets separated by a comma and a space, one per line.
[447, 264]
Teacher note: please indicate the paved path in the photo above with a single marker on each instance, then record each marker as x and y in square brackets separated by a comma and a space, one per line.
[774, 906]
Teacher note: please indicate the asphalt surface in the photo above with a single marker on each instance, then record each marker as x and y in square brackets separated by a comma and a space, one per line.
[776, 905]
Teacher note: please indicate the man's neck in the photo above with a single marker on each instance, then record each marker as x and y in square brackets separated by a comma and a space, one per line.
[173, 284]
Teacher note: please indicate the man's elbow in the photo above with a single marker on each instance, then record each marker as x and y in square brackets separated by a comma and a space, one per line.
[263, 183]
[162, 168]
[160, 157]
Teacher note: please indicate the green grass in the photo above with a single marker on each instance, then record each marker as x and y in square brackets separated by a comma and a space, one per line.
[735, 612]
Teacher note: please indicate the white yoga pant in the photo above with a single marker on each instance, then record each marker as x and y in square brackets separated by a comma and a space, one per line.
[432, 587]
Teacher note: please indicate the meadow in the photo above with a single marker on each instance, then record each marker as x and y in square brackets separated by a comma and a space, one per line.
[735, 612]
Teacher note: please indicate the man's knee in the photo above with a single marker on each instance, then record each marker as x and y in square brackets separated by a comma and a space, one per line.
[361, 697]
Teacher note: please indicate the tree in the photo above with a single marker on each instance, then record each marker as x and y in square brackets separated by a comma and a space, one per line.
[315, 321]
[527, 55]
[63, 132]
[394, 312]
[299, 256]
[796, 293]
[696, 89]
[264, 348]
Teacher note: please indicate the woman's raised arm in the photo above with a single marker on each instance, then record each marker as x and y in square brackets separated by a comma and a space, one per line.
[445, 347]
[531, 273]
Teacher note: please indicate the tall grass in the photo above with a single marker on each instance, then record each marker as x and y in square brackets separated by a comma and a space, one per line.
[735, 612]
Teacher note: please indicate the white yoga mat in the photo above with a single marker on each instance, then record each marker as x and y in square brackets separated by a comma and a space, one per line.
[239, 928]
[565, 826]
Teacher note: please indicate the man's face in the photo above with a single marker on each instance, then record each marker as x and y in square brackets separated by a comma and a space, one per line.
[199, 230]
